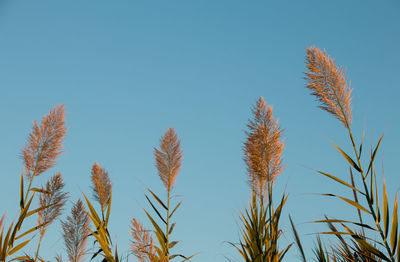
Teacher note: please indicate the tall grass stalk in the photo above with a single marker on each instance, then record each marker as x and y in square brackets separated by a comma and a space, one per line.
[43, 146]
[168, 163]
[263, 156]
[329, 85]
[102, 193]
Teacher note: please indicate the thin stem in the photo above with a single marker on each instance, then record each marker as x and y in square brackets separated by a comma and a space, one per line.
[167, 234]
[270, 207]
[367, 195]
[356, 199]
[37, 251]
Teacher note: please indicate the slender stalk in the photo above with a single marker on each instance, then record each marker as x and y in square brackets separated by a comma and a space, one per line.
[167, 233]
[270, 205]
[367, 194]
[37, 250]
[30, 184]
[371, 208]
[356, 199]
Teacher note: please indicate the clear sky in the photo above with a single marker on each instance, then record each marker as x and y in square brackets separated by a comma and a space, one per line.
[127, 70]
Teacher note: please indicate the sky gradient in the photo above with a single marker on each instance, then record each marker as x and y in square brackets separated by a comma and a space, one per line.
[127, 70]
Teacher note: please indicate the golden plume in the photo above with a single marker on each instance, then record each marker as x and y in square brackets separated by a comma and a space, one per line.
[142, 245]
[76, 231]
[52, 202]
[329, 84]
[263, 147]
[169, 158]
[45, 143]
[101, 185]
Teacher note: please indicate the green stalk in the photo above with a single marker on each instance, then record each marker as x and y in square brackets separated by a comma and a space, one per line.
[167, 234]
[31, 180]
[270, 208]
[371, 208]
[37, 251]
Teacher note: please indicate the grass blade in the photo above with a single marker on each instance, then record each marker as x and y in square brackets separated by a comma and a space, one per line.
[351, 162]
[393, 233]
[158, 199]
[373, 155]
[21, 190]
[349, 201]
[155, 209]
[385, 210]
[340, 181]
[297, 239]
[173, 211]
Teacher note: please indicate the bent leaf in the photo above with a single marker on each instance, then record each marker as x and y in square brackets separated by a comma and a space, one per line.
[351, 202]
[351, 162]
[340, 181]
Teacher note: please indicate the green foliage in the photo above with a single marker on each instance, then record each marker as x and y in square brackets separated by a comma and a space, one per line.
[329, 85]
[261, 232]
[9, 237]
[163, 250]
[101, 233]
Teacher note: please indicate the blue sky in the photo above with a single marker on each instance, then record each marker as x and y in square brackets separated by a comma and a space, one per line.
[127, 70]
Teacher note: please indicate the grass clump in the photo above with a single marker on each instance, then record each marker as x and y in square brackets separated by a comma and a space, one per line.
[263, 157]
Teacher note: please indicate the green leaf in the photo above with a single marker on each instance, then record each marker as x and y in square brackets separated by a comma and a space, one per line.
[30, 231]
[172, 244]
[393, 233]
[297, 239]
[374, 154]
[351, 162]
[398, 250]
[18, 247]
[157, 228]
[171, 228]
[92, 210]
[344, 221]
[366, 245]
[21, 219]
[39, 190]
[21, 258]
[108, 207]
[21, 190]
[378, 212]
[158, 199]
[6, 238]
[371, 248]
[173, 211]
[155, 209]
[385, 210]
[182, 256]
[340, 181]
[351, 202]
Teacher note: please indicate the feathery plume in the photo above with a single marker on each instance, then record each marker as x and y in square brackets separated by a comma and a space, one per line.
[142, 245]
[329, 84]
[169, 158]
[44, 143]
[53, 202]
[263, 148]
[76, 231]
[101, 185]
